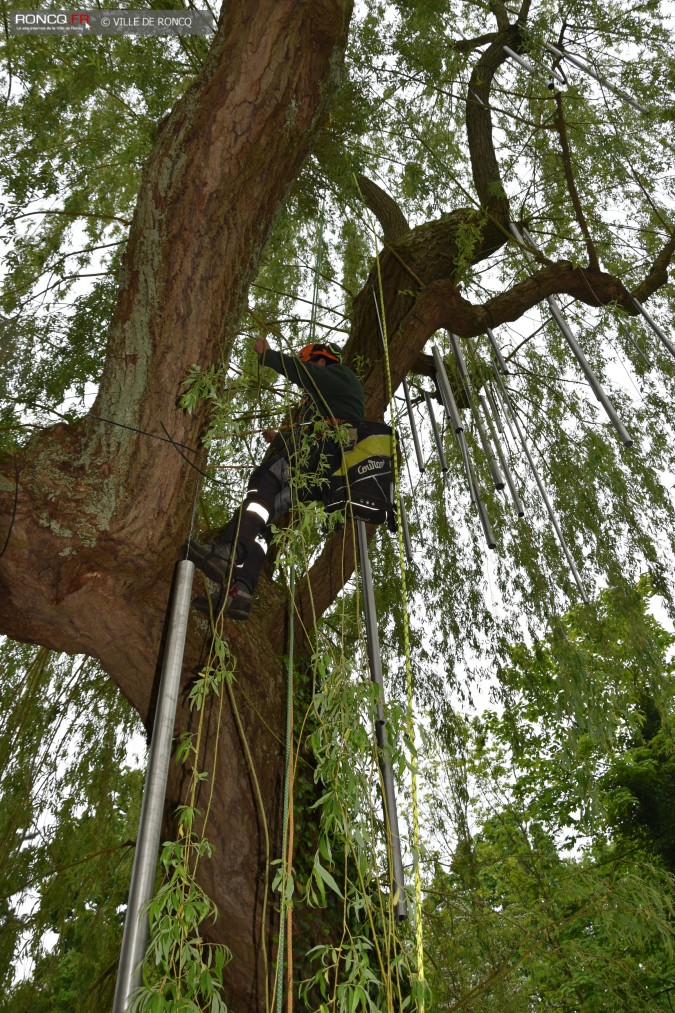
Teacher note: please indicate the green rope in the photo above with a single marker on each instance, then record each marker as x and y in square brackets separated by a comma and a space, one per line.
[286, 802]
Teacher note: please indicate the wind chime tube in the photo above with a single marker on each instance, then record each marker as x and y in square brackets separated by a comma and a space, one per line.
[407, 543]
[517, 502]
[655, 327]
[586, 368]
[413, 428]
[531, 67]
[495, 414]
[452, 413]
[497, 477]
[584, 364]
[445, 391]
[437, 435]
[485, 522]
[542, 490]
[147, 844]
[501, 361]
[582, 65]
[375, 662]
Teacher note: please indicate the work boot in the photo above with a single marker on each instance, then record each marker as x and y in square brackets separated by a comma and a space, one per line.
[236, 602]
[214, 560]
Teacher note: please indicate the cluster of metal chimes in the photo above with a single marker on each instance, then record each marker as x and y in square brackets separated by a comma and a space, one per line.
[491, 407]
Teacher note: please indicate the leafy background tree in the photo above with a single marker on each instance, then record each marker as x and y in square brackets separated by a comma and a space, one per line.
[151, 228]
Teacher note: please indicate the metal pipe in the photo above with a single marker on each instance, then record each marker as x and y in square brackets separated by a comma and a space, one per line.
[437, 435]
[495, 413]
[517, 502]
[585, 365]
[582, 65]
[540, 486]
[445, 390]
[531, 67]
[485, 521]
[375, 662]
[452, 412]
[407, 543]
[147, 843]
[413, 428]
[497, 477]
[655, 327]
[501, 361]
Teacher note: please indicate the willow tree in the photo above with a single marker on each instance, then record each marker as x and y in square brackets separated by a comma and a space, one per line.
[187, 178]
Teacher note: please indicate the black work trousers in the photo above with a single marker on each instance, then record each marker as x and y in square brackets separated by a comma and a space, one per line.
[269, 495]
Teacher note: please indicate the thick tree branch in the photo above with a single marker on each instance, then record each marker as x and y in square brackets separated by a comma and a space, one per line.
[484, 166]
[658, 273]
[386, 210]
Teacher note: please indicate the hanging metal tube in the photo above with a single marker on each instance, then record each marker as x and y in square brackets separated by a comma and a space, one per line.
[540, 486]
[517, 502]
[501, 361]
[452, 413]
[375, 662]
[531, 67]
[582, 65]
[413, 428]
[585, 365]
[147, 843]
[655, 327]
[437, 435]
[497, 477]
[445, 391]
[495, 413]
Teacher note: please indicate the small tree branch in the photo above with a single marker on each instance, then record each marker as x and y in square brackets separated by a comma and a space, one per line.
[498, 8]
[593, 261]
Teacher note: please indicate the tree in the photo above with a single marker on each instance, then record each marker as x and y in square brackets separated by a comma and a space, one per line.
[94, 512]
[558, 889]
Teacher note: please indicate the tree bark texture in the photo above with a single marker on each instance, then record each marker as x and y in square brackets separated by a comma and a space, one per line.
[98, 513]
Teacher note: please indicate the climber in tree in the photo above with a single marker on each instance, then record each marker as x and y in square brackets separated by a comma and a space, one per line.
[333, 396]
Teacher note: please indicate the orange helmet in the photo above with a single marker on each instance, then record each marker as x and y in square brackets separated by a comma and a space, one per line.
[331, 353]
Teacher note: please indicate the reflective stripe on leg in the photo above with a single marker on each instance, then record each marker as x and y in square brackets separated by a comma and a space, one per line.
[259, 510]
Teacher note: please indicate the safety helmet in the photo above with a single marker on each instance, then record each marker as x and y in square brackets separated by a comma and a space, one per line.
[310, 353]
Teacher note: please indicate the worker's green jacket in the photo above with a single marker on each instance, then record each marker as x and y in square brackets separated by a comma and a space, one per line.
[336, 391]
